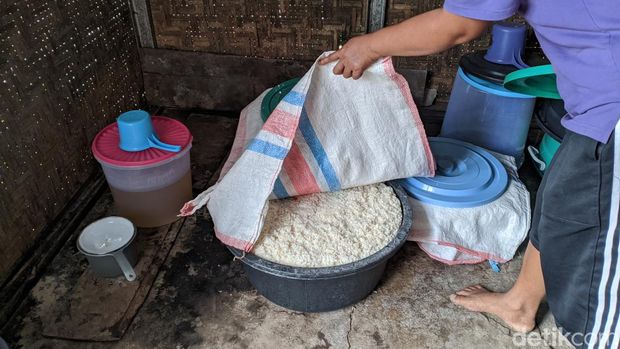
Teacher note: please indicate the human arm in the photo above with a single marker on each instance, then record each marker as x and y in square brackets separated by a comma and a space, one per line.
[425, 34]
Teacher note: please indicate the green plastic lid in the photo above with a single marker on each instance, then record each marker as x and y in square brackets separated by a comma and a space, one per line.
[274, 96]
[538, 81]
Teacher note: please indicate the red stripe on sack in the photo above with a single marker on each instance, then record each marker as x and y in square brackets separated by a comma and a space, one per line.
[403, 86]
[479, 254]
[299, 172]
[447, 261]
[232, 241]
[281, 123]
[483, 256]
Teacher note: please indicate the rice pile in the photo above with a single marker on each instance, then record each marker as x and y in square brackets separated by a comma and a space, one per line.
[329, 229]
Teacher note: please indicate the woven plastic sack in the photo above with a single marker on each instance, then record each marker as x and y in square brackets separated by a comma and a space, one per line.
[327, 134]
[493, 231]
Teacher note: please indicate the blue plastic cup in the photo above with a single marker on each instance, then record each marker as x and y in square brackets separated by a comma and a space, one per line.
[136, 133]
[507, 44]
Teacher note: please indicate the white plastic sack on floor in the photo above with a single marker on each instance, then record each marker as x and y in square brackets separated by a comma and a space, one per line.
[327, 134]
[472, 235]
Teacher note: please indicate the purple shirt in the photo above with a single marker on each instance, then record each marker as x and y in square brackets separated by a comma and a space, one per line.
[581, 38]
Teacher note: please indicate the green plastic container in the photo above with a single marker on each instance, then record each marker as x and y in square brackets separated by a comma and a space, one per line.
[545, 152]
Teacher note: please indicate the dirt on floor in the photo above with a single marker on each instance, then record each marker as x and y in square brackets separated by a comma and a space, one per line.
[202, 298]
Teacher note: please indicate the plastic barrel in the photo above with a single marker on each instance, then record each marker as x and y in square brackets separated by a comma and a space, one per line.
[489, 116]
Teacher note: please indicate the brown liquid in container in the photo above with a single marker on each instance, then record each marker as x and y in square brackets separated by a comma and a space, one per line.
[154, 208]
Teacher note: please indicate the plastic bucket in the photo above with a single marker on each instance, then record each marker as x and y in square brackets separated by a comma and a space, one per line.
[488, 115]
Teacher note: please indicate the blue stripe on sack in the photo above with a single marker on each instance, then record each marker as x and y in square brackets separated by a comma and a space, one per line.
[278, 189]
[317, 150]
[295, 98]
[269, 149]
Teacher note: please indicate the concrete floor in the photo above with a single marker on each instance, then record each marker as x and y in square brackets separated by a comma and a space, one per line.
[202, 298]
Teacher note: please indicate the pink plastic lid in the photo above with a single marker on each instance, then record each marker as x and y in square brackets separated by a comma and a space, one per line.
[106, 150]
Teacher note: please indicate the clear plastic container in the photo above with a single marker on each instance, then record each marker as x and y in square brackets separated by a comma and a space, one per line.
[151, 195]
[149, 186]
[488, 115]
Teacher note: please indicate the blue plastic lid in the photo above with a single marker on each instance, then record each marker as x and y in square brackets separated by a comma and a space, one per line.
[490, 87]
[466, 176]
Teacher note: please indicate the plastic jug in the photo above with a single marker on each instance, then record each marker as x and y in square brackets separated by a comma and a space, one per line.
[149, 186]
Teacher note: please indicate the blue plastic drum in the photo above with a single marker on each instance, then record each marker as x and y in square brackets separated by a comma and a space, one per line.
[488, 115]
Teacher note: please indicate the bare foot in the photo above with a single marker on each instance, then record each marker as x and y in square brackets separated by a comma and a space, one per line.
[476, 298]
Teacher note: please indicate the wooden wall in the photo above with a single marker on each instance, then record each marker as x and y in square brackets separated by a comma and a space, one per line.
[296, 29]
[287, 30]
[292, 30]
[234, 49]
[67, 68]
[442, 67]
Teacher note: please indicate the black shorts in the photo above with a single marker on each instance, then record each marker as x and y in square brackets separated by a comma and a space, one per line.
[575, 228]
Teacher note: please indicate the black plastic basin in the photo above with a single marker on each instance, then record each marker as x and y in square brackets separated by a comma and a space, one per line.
[325, 289]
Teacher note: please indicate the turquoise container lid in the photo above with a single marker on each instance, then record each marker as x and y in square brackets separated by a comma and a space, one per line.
[466, 176]
[538, 81]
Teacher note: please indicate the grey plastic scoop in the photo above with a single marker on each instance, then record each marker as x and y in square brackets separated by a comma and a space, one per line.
[108, 244]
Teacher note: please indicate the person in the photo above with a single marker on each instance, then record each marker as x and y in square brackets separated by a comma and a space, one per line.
[573, 254]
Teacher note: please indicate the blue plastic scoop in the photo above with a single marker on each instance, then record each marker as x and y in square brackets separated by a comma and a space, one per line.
[136, 133]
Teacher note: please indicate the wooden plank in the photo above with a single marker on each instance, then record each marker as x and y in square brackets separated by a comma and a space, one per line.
[432, 118]
[142, 23]
[417, 82]
[376, 15]
[183, 79]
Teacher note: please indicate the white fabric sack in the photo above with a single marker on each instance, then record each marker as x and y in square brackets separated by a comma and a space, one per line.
[328, 133]
[492, 231]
